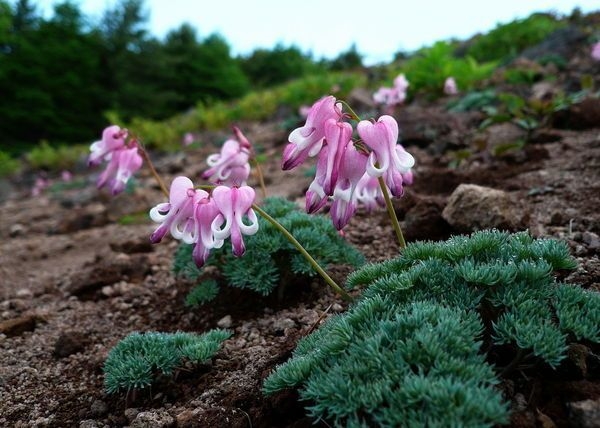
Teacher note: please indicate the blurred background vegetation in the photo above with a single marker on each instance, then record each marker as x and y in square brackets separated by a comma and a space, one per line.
[63, 78]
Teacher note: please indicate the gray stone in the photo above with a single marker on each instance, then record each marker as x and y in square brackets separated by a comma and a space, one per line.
[472, 207]
[225, 322]
[155, 419]
[585, 414]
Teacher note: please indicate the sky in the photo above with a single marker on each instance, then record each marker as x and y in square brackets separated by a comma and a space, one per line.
[325, 28]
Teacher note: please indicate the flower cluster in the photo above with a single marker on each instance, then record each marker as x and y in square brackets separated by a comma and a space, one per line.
[347, 172]
[394, 95]
[230, 167]
[122, 156]
[206, 220]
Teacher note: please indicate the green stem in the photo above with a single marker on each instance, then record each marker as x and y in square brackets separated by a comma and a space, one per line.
[153, 170]
[352, 112]
[392, 213]
[305, 253]
[261, 178]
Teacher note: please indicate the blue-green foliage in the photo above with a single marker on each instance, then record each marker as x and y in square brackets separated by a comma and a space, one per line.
[134, 362]
[204, 292]
[390, 364]
[269, 255]
[408, 352]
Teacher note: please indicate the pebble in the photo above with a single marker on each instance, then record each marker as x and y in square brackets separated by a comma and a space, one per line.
[225, 322]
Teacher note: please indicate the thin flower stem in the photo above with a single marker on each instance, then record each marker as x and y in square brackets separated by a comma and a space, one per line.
[392, 213]
[153, 170]
[352, 112]
[261, 178]
[305, 253]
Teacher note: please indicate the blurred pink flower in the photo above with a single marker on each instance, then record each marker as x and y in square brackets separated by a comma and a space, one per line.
[450, 87]
[394, 95]
[230, 166]
[66, 176]
[40, 184]
[596, 51]
[113, 138]
[188, 138]
[122, 165]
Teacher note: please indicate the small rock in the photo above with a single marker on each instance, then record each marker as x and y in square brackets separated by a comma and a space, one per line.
[585, 414]
[336, 307]
[98, 408]
[155, 419]
[472, 207]
[17, 230]
[24, 293]
[90, 423]
[17, 326]
[69, 343]
[225, 322]
[282, 324]
[131, 413]
[592, 240]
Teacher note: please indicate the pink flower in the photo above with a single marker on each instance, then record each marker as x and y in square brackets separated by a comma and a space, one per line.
[352, 168]
[113, 138]
[121, 166]
[307, 140]
[304, 110]
[230, 166]
[41, 183]
[394, 95]
[205, 213]
[188, 216]
[188, 138]
[381, 137]
[337, 137]
[450, 87]
[234, 204]
[369, 193]
[175, 215]
[66, 176]
[596, 51]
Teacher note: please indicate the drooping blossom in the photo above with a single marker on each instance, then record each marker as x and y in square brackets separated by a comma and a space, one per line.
[196, 217]
[122, 165]
[347, 174]
[307, 140]
[337, 137]
[450, 87]
[394, 95]
[234, 204]
[113, 139]
[381, 137]
[352, 168]
[596, 51]
[368, 193]
[230, 166]
[122, 157]
[175, 216]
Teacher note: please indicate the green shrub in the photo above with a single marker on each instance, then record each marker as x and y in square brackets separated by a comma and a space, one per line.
[399, 351]
[136, 360]
[427, 69]
[508, 40]
[269, 255]
[55, 158]
[8, 165]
